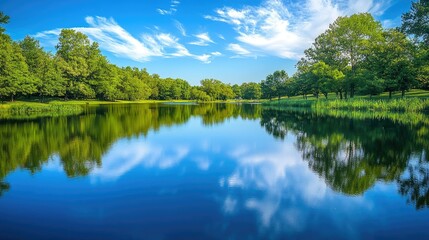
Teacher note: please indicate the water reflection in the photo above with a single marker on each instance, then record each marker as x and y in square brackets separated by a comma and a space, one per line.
[212, 172]
[81, 141]
[351, 155]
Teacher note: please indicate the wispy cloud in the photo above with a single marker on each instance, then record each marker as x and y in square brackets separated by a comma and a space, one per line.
[173, 8]
[285, 31]
[216, 54]
[180, 27]
[115, 39]
[237, 49]
[203, 39]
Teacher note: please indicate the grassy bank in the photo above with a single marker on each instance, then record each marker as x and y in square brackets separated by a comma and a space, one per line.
[31, 110]
[415, 101]
[410, 118]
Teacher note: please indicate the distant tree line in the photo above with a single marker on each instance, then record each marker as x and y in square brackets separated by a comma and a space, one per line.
[78, 70]
[355, 55]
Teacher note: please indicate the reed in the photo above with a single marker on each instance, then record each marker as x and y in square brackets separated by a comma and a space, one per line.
[382, 105]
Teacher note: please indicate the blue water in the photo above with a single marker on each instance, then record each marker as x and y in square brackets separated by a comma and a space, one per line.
[190, 179]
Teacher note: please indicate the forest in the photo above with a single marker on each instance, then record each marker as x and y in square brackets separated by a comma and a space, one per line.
[354, 56]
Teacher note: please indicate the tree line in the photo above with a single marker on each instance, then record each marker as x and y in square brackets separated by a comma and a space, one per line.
[78, 70]
[355, 55]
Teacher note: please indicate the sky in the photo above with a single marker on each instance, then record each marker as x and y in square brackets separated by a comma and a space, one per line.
[234, 41]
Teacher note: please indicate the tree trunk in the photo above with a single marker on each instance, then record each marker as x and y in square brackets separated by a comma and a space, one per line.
[390, 94]
[341, 95]
[403, 93]
[326, 95]
[11, 98]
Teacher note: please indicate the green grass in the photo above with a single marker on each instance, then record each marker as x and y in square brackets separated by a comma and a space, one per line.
[21, 110]
[414, 101]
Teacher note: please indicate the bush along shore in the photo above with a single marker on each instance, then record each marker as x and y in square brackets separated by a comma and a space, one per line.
[386, 105]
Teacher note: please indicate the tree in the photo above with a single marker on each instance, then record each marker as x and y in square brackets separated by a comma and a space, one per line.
[391, 63]
[416, 24]
[267, 87]
[416, 21]
[4, 19]
[131, 87]
[80, 61]
[251, 90]
[274, 85]
[324, 79]
[237, 91]
[15, 79]
[43, 68]
[216, 89]
[198, 94]
[279, 80]
[345, 45]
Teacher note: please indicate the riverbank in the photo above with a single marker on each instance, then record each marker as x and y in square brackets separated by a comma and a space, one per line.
[416, 101]
[31, 109]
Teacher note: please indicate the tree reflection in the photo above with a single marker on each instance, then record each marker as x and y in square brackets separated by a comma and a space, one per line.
[81, 141]
[352, 154]
[415, 184]
[4, 187]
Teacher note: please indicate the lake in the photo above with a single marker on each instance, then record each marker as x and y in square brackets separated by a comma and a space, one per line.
[214, 171]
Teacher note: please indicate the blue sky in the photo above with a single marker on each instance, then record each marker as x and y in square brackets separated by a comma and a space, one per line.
[231, 40]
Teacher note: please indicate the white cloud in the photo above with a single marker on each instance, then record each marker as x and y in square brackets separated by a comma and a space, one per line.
[216, 54]
[173, 8]
[203, 39]
[286, 31]
[204, 58]
[237, 49]
[115, 39]
[180, 27]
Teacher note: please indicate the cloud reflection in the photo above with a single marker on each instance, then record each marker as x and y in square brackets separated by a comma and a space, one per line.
[280, 180]
[125, 155]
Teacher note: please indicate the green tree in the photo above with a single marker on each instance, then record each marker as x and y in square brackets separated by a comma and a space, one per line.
[345, 45]
[198, 94]
[43, 68]
[324, 79]
[237, 91]
[392, 63]
[267, 87]
[416, 23]
[251, 90]
[274, 85]
[15, 79]
[4, 19]
[131, 87]
[79, 61]
[216, 89]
